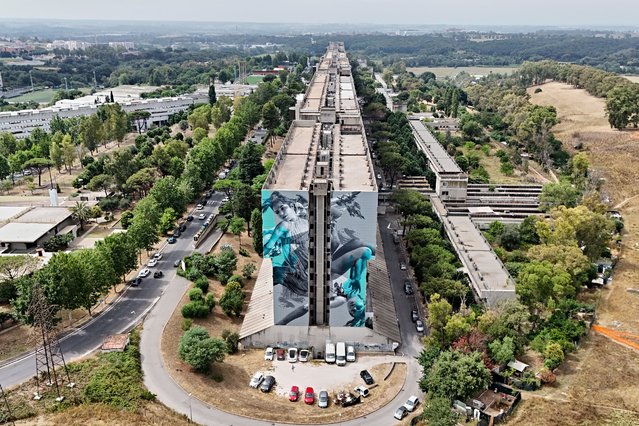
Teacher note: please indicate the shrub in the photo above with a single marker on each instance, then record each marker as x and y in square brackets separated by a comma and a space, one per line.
[553, 355]
[244, 252]
[196, 294]
[109, 204]
[247, 270]
[199, 350]
[195, 310]
[186, 323]
[210, 301]
[7, 291]
[202, 284]
[193, 274]
[237, 278]
[217, 377]
[232, 300]
[231, 339]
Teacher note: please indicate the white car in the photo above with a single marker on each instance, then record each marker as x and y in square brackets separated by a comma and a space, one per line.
[157, 256]
[419, 325]
[412, 403]
[152, 262]
[350, 354]
[199, 207]
[304, 355]
[292, 355]
[268, 354]
[379, 176]
[361, 391]
[202, 216]
[256, 380]
[144, 273]
[225, 199]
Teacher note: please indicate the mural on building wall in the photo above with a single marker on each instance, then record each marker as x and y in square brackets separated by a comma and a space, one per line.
[285, 236]
[353, 231]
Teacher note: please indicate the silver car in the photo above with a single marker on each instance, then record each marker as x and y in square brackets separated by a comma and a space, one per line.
[322, 400]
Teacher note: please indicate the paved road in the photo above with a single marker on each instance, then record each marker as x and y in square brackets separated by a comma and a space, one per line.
[158, 381]
[384, 91]
[124, 314]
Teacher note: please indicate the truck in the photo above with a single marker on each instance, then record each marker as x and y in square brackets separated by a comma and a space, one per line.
[341, 353]
[329, 356]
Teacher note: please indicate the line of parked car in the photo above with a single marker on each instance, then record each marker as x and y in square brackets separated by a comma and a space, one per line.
[408, 407]
[145, 272]
[290, 355]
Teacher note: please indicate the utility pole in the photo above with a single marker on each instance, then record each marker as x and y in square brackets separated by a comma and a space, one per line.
[95, 81]
[66, 85]
[31, 78]
[1, 83]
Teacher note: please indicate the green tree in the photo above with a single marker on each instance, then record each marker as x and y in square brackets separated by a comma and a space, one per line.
[167, 220]
[141, 181]
[541, 282]
[212, 95]
[247, 270]
[91, 132]
[237, 227]
[68, 152]
[199, 134]
[250, 162]
[502, 351]
[13, 267]
[225, 264]
[200, 117]
[245, 199]
[38, 165]
[232, 299]
[102, 182]
[270, 117]
[456, 375]
[256, 224]
[55, 154]
[439, 312]
[221, 112]
[199, 350]
[81, 212]
[437, 412]
[121, 250]
[558, 194]
[169, 193]
[553, 356]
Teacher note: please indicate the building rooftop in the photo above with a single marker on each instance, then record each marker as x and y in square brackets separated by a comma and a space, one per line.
[50, 215]
[437, 155]
[295, 161]
[260, 314]
[23, 232]
[8, 212]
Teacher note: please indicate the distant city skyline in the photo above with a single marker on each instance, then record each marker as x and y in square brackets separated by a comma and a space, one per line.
[561, 13]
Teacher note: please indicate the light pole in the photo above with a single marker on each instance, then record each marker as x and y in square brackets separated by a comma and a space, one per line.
[190, 410]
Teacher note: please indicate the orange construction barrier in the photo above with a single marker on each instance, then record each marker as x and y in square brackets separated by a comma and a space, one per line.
[618, 336]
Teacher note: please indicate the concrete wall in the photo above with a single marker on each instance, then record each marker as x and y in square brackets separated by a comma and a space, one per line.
[364, 339]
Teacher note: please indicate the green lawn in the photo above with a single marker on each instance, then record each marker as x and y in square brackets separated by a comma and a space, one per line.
[44, 96]
[254, 79]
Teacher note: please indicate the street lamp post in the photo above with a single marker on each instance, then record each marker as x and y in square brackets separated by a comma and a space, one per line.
[190, 410]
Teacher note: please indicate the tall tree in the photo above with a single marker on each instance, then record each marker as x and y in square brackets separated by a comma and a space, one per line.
[38, 165]
[81, 212]
[270, 117]
[212, 95]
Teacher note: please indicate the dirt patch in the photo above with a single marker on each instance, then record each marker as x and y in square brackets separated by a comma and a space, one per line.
[236, 370]
[16, 341]
[599, 383]
[152, 413]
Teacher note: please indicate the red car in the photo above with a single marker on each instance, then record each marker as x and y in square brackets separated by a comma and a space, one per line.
[309, 396]
[294, 394]
[280, 354]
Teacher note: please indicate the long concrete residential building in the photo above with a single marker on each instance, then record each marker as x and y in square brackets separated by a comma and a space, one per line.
[323, 277]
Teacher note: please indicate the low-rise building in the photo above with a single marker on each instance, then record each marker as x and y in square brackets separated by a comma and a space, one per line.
[23, 229]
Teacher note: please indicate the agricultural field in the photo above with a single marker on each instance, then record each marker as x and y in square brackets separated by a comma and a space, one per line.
[443, 72]
[599, 383]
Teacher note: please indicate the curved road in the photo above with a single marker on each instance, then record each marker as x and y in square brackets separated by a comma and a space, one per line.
[127, 311]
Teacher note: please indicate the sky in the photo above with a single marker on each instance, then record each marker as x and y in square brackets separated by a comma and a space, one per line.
[448, 12]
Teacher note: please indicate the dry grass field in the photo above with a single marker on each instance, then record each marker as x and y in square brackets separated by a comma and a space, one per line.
[599, 384]
[443, 72]
[633, 78]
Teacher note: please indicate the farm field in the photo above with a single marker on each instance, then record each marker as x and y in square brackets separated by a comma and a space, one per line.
[443, 72]
[598, 384]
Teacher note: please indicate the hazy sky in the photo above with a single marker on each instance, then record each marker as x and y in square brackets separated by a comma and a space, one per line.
[469, 12]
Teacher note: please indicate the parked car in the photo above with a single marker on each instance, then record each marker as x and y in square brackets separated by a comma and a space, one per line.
[366, 376]
[177, 263]
[379, 176]
[419, 325]
[361, 391]
[152, 262]
[199, 207]
[144, 273]
[322, 399]
[408, 287]
[414, 315]
[294, 394]
[268, 354]
[401, 413]
[304, 355]
[202, 216]
[280, 354]
[135, 282]
[412, 403]
[350, 354]
[207, 195]
[157, 255]
[292, 355]
[402, 266]
[182, 227]
[309, 396]
[189, 218]
[158, 274]
[171, 240]
[256, 380]
[177, 233]
[225, 199]
[267, 384]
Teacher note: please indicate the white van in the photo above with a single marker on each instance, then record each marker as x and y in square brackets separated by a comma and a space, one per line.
[341, 353]
[330, 353]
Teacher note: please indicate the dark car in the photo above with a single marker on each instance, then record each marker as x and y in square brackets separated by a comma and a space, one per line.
[267, 384]
[366, 376]
[408, 287]
[414, 315]
[172, 240]
[135, 282]
[207, 195]
[182, 227]
[281, 354]
[158, 274]
[189, 218]
[177, 233]
[177, 263]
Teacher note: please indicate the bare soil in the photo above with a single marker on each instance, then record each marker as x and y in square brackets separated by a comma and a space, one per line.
[237, 369]
[599, 383]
